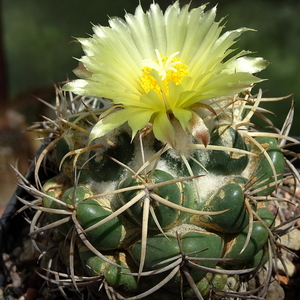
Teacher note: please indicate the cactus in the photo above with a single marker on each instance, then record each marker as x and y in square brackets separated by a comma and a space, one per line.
[159, 190]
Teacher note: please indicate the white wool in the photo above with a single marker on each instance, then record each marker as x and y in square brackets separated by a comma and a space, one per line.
[182, 140]
[209, 183]
[143, 152]
[162, 165]
[104, 187]
[184, 227]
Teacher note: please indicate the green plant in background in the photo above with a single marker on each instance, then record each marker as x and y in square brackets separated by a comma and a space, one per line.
[161, 182]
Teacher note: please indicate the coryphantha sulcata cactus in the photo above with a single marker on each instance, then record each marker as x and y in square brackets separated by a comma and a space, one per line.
[159, 182]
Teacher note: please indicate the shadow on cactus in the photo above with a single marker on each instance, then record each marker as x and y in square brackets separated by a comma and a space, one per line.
[161, 182]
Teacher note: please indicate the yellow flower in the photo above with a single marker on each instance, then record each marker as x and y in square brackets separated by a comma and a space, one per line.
[161, 68]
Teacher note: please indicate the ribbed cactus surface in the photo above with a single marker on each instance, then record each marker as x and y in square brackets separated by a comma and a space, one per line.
[148, 220]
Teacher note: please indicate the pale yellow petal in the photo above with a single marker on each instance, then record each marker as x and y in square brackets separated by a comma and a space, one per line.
[159, 66]
[183, 116]
[109, 123]
[246, 64]
[175, 20]
[140, 118]
[163, 129]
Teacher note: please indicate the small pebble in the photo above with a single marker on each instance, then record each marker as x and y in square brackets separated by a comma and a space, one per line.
[289, 269]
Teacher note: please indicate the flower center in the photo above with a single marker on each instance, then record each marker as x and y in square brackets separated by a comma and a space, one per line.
[169, 68]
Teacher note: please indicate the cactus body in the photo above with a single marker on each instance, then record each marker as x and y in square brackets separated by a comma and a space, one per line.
[198, 214]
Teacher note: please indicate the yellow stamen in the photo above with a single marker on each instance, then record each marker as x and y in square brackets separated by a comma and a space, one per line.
[169, 68]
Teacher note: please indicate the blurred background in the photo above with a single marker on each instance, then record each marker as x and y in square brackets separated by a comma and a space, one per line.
[36, 51]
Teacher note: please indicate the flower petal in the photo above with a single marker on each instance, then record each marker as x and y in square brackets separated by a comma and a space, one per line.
[81, 71]
[140, 118]
[140, 30]
[158, 28]
[183, 116]
[201, 29]
[175, 20]
[198, 129]
[163, 129]
[246, 64]
[152, 101]
[227, 85]
[193, 65]
[109, 123]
